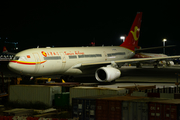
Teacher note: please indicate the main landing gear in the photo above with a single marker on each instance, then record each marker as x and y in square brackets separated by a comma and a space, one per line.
[67, 78]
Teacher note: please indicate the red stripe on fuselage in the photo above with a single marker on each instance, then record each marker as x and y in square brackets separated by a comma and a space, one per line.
[27, 63]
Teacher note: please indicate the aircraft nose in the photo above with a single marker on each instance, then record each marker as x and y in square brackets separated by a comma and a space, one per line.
[21, 69]
[12, 66]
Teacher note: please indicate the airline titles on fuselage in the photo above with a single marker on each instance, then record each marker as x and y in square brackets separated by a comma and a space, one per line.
[45, 54]
[73, 53]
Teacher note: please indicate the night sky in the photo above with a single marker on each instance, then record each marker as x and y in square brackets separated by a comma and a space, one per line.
[65, 23]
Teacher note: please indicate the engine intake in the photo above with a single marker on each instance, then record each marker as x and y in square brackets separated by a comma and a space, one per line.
[107, 74]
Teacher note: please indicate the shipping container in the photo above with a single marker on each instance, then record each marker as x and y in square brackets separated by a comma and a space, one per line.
[136, 109]
[85, 107]
[163, 90]
[160, 90]
[78, 108]
[157, 95]
[33, 93]
[111, 108]
[95, 91]
[177, 96]
[154, 90]
[164, 110]
[167, 95]
[136, 93]
[62, 100]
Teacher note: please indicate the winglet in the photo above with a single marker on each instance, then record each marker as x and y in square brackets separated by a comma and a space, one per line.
[131, 40]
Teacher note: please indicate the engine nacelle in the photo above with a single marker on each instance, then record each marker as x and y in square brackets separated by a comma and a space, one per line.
[170, 63]
[162, 62]
[107, 74]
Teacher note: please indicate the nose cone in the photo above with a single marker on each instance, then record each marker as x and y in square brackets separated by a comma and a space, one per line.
[21, 69]
[13, 67]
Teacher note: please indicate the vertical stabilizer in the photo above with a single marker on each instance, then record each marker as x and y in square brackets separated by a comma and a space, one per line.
[4, 49]
[131, 40]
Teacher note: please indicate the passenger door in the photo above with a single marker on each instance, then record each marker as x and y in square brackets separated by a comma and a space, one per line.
[37, 61]
[105, 56]
[63, 58]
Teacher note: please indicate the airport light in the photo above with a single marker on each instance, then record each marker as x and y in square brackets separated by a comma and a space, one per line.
[122, 38]
[164, 40]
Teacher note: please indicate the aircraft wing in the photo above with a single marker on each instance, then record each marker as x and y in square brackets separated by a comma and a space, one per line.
[152, 48]
[135, 60]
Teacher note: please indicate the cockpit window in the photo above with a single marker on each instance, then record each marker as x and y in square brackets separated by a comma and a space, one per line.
[16, 58]
[21, 58]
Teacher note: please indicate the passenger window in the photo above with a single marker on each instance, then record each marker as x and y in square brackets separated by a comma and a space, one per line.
[72, 57]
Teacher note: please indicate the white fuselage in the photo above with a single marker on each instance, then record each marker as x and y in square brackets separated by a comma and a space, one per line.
[49, 61]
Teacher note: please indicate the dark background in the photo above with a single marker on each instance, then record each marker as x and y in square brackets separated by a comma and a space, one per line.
[65, 23]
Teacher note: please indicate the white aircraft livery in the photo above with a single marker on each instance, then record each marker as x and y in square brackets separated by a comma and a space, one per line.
[104, 62]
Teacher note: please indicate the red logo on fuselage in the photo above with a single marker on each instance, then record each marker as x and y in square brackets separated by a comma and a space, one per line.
[44, 53]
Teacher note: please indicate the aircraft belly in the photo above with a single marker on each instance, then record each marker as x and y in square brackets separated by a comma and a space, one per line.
[28, 71]
[72, 71]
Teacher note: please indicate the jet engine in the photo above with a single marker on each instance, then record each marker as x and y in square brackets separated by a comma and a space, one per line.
[162, 62]
[170, 63]
[107, 74]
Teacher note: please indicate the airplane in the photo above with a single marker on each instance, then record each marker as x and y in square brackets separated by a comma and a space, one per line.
[103, 62]
[155, 63]
[5, 51]
[5, 55]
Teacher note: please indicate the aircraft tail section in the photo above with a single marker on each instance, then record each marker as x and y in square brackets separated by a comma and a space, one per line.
[4, 49]
[131, 41]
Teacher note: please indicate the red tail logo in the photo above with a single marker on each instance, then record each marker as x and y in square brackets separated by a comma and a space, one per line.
[135, 33]
[4, 49]
[131, 40]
